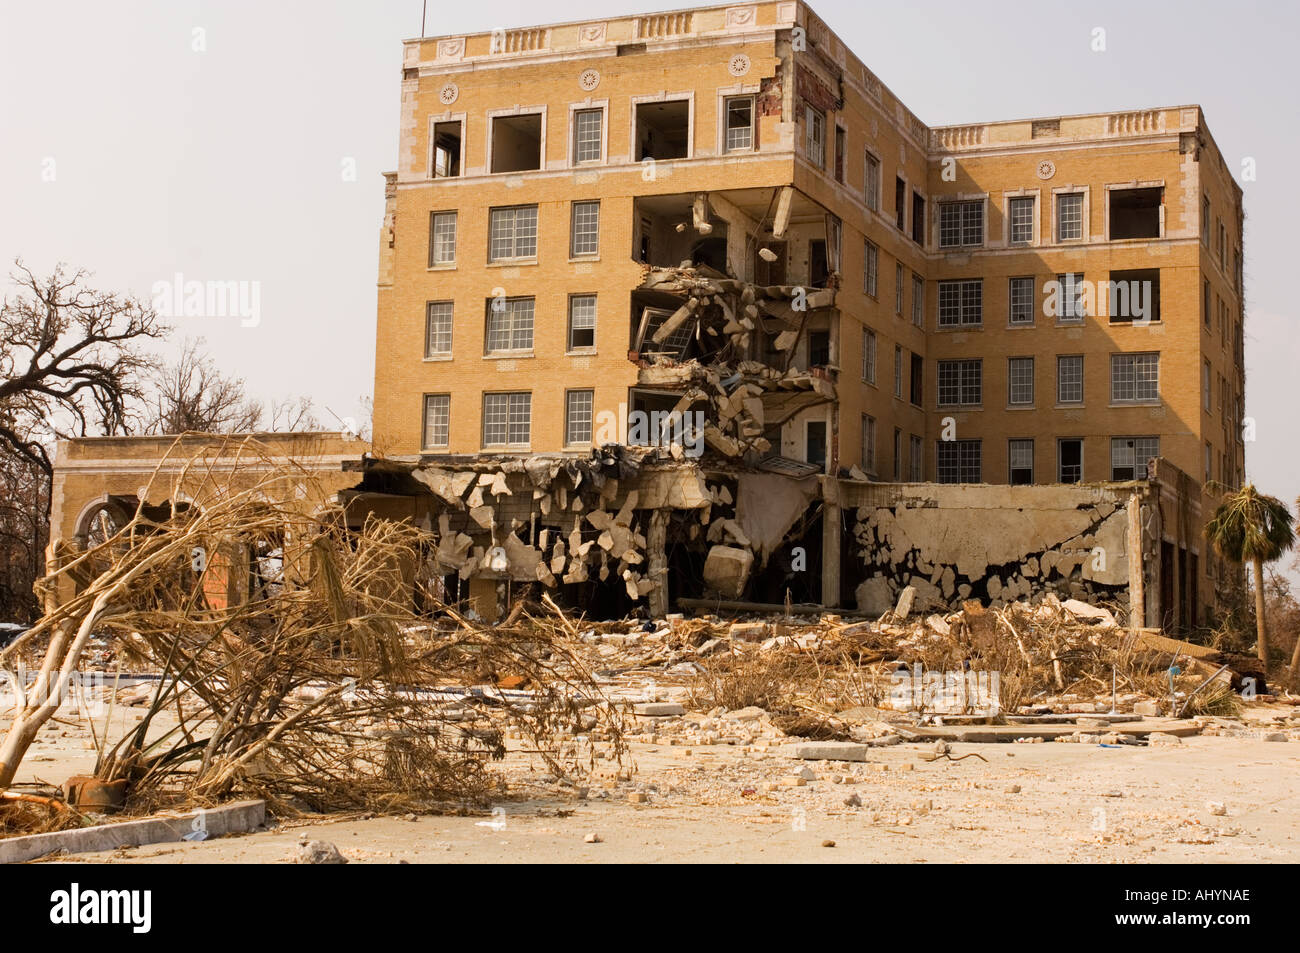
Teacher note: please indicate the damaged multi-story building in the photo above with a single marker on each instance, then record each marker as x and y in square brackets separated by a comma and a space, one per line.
[690, 305]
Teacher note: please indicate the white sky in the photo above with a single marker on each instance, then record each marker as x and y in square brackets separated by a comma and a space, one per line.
[227, 164]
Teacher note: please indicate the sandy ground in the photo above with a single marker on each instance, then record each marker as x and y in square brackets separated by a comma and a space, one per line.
[1050, 802]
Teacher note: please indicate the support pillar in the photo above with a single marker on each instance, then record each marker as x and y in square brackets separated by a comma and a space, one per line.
[831, 540]
[1137, 612]
[657, 558]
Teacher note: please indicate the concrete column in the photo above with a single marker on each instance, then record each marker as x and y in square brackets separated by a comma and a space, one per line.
[1137, 602]
[657, 558]
[831, 542]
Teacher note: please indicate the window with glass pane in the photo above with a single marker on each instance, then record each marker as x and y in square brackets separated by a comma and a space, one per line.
[815, 137]
[512, 233]
[870, 267]
[437, 342]
[587, 125]
[918, 301]
[578, 416]
[873, 182]
[507, 419]
[1020, 467]
[961, 303]
[1129, 456]
[1072, 306]
[1020, 381]
[511, 328]
[437, 418]
[1069, 379]
[898, 371]
[1069, 216]
[869, 443]
[1020, 211]
[898, 289]
[585, 237]
[1134, 377]
[958, 461]
[916, 459]
[960, 383]
[868, 355]
[582, 322]
[961, 223]
[442, 239]
[740, 124]
[1021, 297]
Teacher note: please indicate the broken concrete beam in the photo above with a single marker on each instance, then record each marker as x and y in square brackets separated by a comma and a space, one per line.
[726, 570]
[827, 751]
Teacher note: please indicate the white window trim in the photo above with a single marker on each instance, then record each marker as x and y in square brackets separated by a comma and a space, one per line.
[740, 90]
[1037, 196]
[663, 97]
[483, 421]
[441, 355]
[584, 256]
[1083, 457]
[444, 265]
[1033, 299]
[880, 174]
[1083, 382]
[463, 119]
[1086, 234]
[568, 325]
[1124, 187]
[424, 421]
[570, 128]
[515, 111]
[577, 444]
[957, 199]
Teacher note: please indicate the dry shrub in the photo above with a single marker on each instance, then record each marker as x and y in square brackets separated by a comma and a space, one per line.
[322, 690]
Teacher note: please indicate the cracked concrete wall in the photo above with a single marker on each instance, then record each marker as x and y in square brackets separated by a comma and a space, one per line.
[995, 543]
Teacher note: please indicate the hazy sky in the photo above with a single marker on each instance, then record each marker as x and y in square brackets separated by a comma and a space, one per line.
[131, 153]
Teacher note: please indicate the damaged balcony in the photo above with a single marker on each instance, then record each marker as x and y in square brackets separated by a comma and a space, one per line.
[735, 314]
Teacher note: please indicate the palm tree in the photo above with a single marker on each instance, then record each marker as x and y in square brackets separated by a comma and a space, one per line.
[1249, 526]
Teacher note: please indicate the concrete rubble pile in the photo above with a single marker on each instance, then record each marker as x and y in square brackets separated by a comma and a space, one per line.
[723, 322]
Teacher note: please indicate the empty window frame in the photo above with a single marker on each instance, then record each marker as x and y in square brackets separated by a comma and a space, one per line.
[958, 461]
[898, 289]
[674, 344]
[512, 233]
[1020, 217]
[1205, 220]
[1020, 462]
[1134, 295]
[437, 337]
[916, 382]
[740, 124]
[517, 142]
[584, 230]
[1071, 307]
[509, 325]
[870, 267]
[1129, 456]
[900, 203]
[961, 224]
[1069, 216]
[588, 135]
[898, 371]
[578, 415]
[1020, 297]
[898, 455]
[1020, 381]
[819, 348]
[814, 136]
[442, 239]
[437, 420]
[1135, 213]
[1206, 302]
[582, 322]
[447, 149]
[918, 217]
[663, 130]
[841, 147]
[507, 419]
[1069, 460]
[918, 301]
[1069, 379]
[873, 182]
[916, 458]
[961, 383]
[961, 303]
[869, 355]
[868, 443]
[1134, 378]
